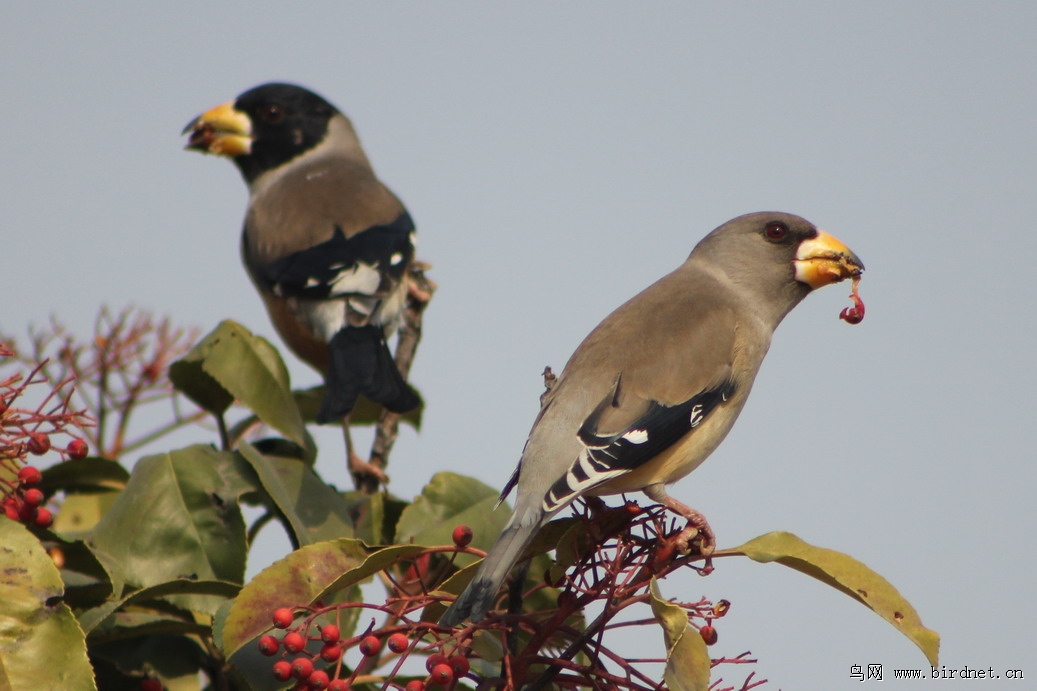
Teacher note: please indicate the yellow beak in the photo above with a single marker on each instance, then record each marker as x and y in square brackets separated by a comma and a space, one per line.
[823, 260]
[222, 130]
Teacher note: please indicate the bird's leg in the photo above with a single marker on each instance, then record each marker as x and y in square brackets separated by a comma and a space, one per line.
[697, 523]
[366, 475]
[419, 292]
[419, 286]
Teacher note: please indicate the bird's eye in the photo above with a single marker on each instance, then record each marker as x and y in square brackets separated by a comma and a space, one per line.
[271, 113]
[776, 231]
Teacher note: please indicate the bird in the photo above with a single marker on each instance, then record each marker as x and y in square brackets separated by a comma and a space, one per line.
[657, 385]
[325, 242]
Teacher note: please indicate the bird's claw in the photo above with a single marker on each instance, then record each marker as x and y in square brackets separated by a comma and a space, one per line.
[419, 286]
[365, 469]
[699, 532]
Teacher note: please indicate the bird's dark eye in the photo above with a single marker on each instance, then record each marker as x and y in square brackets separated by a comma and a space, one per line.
[776, 231]
[271, 113]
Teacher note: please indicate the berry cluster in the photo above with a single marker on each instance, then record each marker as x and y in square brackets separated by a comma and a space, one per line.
[24, 501]
[28, 431]
[315, 660]
[311, 650]
[612, 556]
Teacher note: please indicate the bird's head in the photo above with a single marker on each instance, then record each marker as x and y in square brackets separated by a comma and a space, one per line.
[777, 257]
[263, 128]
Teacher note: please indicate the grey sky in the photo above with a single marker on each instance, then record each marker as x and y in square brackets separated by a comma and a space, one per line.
[558, 158]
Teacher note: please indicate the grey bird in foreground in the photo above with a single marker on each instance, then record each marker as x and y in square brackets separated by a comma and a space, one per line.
[326, 244]
[656, 387]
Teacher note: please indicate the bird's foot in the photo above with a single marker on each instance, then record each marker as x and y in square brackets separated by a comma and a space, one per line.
[697, 530]
[419, 286]
[366, 472]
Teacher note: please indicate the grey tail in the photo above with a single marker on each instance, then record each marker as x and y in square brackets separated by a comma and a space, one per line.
[477, 599]
[359, 362]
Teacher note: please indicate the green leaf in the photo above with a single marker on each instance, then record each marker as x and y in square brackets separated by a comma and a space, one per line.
[365, 412]
[449, 500]
[81, 512]
[377, 560]
[89, 581]
[313, 510]
[375, 516]
[849, 576]
[97, 616]
[572, 545]
[687, 659]
[41, 644]
[190, 378]
[92, 474]
[169, 656]
[178, 518]
[91, 486]
[232, 363]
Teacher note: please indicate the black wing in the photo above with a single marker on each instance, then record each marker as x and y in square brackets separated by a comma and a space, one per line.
[605, 456]
[369, 263]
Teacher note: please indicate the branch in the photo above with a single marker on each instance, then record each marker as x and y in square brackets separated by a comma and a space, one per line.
[419, 292]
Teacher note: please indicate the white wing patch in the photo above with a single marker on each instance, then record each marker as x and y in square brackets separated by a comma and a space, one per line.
[360, 278]
[582, 475]
[636, 436]
[696, 415]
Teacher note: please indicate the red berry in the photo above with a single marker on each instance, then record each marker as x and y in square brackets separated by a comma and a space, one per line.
[38, 443]
[415, 685]
[855, 314]
[338, 685]
[370, 646]
[709, 634]
[302, 668]
[11, 510]
[294, 642]
[283, 617]
[330, 633]
[33, 496]
[268, 645]
[30, 476]
[398, 642]
[150, 684]
[442, 674]
[317, 680]
[434, 660]
[27, 513]
[331, 652]
[282, 670]
[462, 535]
[460, 665]
[77, 449]
[44, 518]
